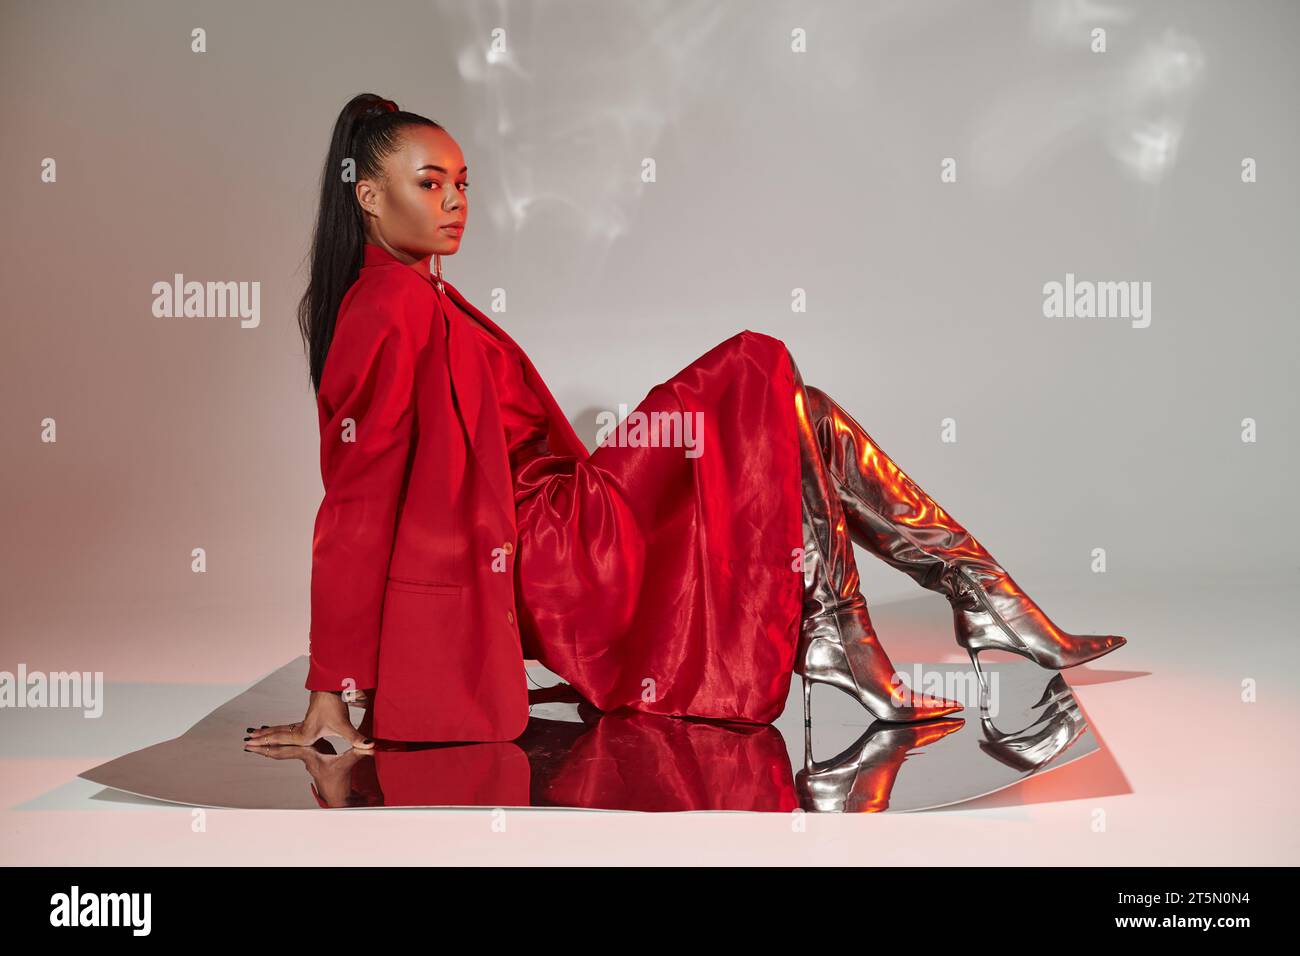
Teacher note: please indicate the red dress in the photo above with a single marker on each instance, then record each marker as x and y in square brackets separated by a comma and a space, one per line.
[653, 578]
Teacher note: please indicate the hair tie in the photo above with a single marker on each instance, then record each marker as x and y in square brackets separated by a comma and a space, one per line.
[378, 109]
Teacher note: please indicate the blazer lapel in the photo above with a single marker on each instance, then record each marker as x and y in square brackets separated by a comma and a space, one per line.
[565, 440]
[472, 382]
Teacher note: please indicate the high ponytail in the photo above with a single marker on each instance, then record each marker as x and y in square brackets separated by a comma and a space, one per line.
[366, 131]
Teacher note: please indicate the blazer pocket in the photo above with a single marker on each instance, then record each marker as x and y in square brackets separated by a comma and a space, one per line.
[423, 587]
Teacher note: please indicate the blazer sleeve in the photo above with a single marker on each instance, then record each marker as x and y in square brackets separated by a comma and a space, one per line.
[366, 405]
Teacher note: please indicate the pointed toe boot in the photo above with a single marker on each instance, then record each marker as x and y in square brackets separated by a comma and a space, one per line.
[891, 516]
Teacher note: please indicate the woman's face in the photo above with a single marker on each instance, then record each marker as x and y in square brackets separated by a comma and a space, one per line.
[422, 193]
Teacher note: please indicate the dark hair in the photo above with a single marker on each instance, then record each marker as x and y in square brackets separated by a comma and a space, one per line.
[366, 131]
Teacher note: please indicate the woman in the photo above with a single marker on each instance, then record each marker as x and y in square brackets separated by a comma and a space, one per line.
[465, 527]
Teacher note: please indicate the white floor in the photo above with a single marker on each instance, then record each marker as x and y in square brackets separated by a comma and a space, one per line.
[1189, 772]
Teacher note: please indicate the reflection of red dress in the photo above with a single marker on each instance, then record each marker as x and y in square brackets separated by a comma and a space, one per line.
[651, 579]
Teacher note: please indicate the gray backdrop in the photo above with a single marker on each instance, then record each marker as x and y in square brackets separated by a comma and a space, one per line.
[776, 170]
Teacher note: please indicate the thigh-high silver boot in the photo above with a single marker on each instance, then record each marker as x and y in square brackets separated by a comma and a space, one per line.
[891, 516]
[837, 643]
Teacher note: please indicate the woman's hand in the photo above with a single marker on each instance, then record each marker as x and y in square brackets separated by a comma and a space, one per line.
[327, 715]
[331, 774]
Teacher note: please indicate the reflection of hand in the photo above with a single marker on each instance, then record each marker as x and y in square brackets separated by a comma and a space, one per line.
[327, 715]
[330, 772]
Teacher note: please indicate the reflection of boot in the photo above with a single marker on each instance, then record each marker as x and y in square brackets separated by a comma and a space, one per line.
[890, 515]
[860, 779]
[837, 643]
[1033, 747]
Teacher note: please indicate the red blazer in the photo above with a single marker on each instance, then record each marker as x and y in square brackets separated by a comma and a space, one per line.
[412, 587]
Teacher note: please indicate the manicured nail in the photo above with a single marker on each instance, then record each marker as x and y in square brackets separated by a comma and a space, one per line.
[367, 741]
[248, 738]
[248, 730]
[264, 726]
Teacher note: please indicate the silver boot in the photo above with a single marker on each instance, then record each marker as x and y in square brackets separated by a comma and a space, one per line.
[890, 515]
[837, 643]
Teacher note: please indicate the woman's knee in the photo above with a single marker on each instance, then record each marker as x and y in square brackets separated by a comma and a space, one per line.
[772, 349]
[763, 340]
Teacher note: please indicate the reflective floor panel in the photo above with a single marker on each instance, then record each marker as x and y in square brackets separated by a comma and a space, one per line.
[572, 756]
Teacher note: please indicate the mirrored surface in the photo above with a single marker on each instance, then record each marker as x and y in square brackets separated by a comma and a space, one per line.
[1025, 722]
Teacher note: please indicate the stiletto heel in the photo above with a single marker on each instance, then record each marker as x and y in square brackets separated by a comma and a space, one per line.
[807, 701]
[807, 737]
[975, 660]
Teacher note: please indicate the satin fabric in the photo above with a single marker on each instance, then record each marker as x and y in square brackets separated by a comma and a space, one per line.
[466, 526]
[655, 581]
[626, 761]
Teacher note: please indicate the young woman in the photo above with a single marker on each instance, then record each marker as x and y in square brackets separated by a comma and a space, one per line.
[688, 568]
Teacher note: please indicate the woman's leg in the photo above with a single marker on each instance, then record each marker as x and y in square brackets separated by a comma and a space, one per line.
[890, 515]
[837, 643]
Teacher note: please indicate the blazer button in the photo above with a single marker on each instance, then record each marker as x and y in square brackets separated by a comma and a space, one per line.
[510, 616]
[508, 548]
